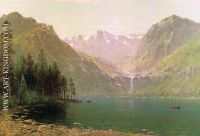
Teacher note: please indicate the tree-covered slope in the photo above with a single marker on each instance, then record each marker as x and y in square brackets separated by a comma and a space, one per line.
[163, 39]
[184, 57]
[29, 36]
[180, 71]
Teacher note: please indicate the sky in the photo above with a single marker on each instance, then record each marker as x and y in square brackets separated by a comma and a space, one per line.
[73, 17]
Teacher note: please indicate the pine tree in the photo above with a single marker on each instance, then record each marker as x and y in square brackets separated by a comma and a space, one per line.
[22, 91]
[56, 77]
[72, 89]
[29, 72]
[42, 72]
[63, 88]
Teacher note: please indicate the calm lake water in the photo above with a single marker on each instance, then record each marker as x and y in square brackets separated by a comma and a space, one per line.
[130, 114]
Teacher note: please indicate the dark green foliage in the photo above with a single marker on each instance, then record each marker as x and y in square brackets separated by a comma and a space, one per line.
[39, 78]
[72, 89]
[23, 91]
[29, 72]
[36, 81]
[42, 71]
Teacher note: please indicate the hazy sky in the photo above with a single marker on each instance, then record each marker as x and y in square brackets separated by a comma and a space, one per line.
[73, 17]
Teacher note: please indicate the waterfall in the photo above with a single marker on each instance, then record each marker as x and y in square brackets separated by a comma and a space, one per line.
[131, 85]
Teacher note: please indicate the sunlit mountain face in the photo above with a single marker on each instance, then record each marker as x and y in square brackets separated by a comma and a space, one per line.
[30, 37]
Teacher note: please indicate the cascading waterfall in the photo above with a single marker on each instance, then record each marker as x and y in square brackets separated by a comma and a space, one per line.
[131, 85]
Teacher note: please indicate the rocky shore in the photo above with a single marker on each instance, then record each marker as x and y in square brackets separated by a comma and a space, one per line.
[18, 127]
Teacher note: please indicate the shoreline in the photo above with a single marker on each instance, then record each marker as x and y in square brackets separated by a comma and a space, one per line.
[19, 127]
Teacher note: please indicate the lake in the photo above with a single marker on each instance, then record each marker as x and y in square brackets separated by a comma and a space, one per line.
[129, 114]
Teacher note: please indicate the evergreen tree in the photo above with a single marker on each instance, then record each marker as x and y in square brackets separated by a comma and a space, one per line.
[72, 89]
[18, 72]
[23, 91]
[42, 72]
[49, 82]
[29, 72]
[64, 88]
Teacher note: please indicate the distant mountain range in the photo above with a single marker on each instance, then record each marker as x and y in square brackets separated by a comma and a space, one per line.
[107, 47]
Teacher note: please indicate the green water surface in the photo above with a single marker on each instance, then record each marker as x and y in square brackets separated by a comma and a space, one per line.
[130, 114]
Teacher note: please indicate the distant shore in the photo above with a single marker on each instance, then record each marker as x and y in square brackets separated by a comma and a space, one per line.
[160, 97]
[143, 97]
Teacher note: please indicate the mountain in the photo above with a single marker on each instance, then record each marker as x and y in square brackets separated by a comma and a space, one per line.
[162, 39]
[184, 57]
[29, 36]
[175, 62]
[106, 46]
[104, 66]
[181, 72]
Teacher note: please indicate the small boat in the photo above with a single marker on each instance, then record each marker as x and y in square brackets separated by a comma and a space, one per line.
[89, 101]
[75, 101]
[176, 107]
